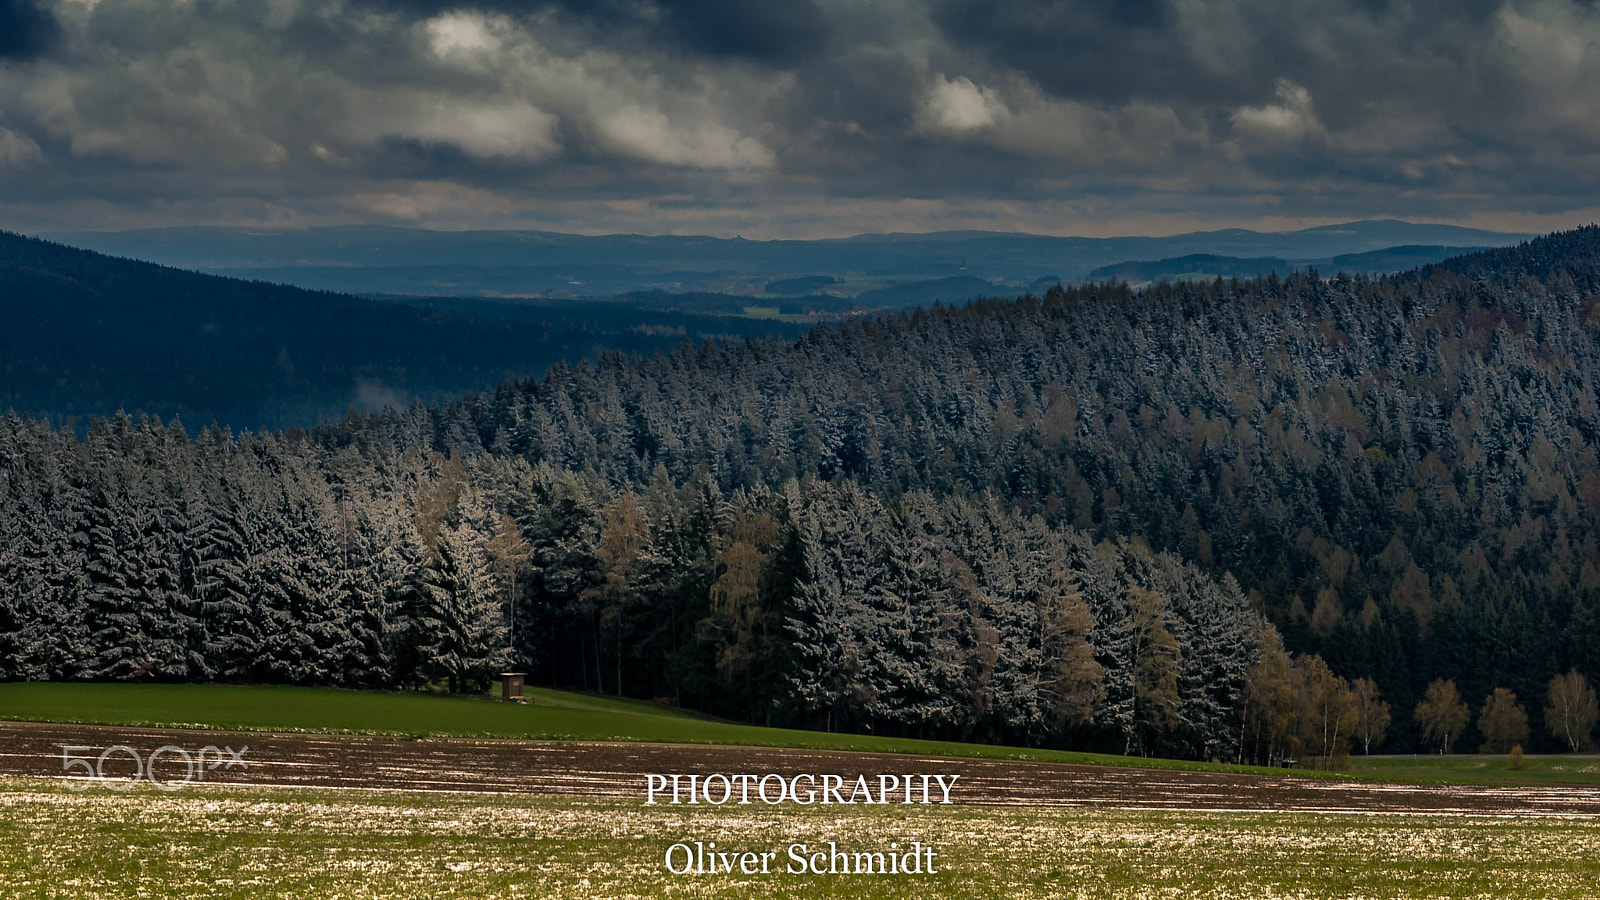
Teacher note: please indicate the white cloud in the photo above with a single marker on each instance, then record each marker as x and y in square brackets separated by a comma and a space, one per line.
[463, 33]
[513, 131]
[1290, 119]
[17, 150]
[1552, 46]
[649, 134]
[439, 202]
[1020, 118]
[959, 106]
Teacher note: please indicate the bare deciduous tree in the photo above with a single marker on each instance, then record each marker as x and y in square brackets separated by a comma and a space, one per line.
[1371, 713]
[1571, 711]
[1441, 714]
[1503, 721]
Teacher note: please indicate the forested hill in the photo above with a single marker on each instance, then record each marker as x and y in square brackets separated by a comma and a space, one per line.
[87, 334]
[1401, 471]
[964, 522]
[1551, 259]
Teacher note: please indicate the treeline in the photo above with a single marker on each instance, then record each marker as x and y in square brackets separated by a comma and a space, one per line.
[140, 553]
[1297, 711]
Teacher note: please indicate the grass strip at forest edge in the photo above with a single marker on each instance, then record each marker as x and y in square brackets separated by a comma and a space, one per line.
[553, 715]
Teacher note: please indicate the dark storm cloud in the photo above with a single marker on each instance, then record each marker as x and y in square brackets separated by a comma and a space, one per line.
[1102, 49]
[869, 89]
[834, 115]
[775, 32]
[1114, 50]
[781, 31]
[26, 29]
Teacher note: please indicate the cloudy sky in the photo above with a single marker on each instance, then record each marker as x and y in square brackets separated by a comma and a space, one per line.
[798, 118]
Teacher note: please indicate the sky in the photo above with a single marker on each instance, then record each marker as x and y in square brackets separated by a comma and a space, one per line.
[798, 118]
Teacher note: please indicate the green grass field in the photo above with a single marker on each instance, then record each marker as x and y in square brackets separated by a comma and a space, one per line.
[552, 715]
[559, 715]
[1482, 769]
[773, 313]
[220, 842]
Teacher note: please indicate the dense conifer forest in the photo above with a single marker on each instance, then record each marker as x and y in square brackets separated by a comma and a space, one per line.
[1232, 520]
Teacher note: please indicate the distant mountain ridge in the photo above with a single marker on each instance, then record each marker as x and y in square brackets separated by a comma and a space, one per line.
[385, 259]
[1205, 265]
[1193, 265]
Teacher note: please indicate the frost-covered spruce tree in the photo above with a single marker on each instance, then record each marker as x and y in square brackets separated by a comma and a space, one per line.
[378, 562]
[985, 538]
[909, 603]
[134, 610]
[829, 623]
[461, 634]
[303, 627]
[1222, 629]
[230, 577]
[43, 632]
[1094, 567]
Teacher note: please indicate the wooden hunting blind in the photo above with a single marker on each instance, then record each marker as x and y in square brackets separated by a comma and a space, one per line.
[511, 686]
